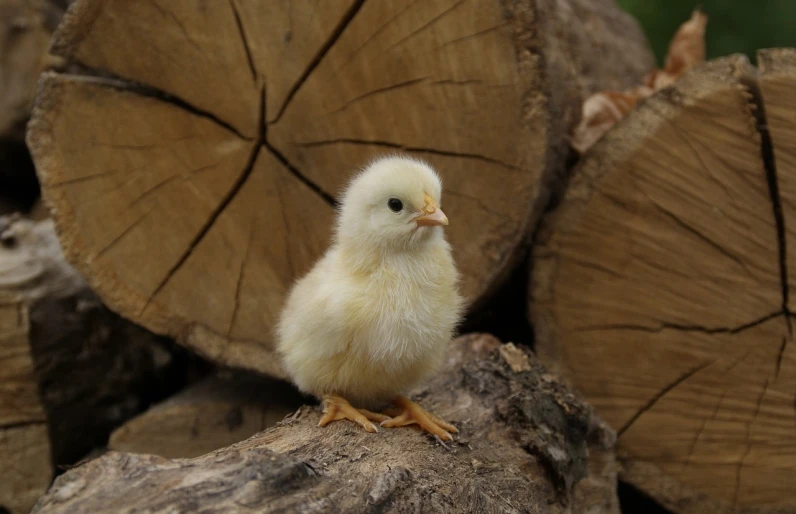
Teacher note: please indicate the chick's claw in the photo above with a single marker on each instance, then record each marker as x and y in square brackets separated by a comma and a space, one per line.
[411, 413]
[442, 423]
[337, 408]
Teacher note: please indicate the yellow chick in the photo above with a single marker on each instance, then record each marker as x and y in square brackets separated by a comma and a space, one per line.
[375, 314]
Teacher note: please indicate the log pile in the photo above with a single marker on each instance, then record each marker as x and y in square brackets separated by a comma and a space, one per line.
[662, 284]
[70, 369]
[242, 121]
[174, 140]
[191, 153]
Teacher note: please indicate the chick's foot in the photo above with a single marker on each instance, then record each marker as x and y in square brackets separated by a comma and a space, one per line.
[410, 413]
[336, 408]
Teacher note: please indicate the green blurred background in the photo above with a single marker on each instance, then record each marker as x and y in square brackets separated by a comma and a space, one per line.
[734, 26]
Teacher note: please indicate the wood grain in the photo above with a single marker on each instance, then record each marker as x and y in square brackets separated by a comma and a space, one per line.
[70, 369]
[188, 50]
[657, 290]
[193, 159]
[24, 443]
[219, 411]
[777, 82]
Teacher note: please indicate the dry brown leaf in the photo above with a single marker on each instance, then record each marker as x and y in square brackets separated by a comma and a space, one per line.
[603, 110]
[687, 48]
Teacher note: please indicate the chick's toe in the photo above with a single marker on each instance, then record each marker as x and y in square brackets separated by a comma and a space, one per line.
[411, 413]
[337, 408]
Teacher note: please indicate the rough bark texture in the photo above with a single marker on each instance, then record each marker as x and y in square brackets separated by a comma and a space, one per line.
[216, 412]
[524, 446]
[244, 119]
[660, 288]
[93, 369]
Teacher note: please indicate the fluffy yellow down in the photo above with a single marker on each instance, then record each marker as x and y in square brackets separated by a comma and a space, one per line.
[375, 314]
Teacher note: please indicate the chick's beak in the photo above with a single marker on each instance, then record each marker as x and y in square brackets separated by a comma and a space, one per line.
[432, 214]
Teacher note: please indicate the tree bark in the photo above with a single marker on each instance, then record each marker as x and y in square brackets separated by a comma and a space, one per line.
[661, 287]
[525, 445]
[71, 369]
[243, 120]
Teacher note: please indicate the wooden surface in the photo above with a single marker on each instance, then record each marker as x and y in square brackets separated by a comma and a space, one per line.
[526, 444]
[777, 83]
[93, 369]
[657, 289]
[193, 163]
[26, 27]
[24, 444]
[214, 413]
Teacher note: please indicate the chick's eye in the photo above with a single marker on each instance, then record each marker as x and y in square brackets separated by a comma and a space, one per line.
[395, 204]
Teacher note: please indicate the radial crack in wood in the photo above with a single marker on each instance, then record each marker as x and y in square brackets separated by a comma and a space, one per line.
[244, 40]
[776, 83]
[189, 52]
[144, 159]
[683, 328]
[411, 149]
[657, 290]
[327, 197]
[245, 307]
[108, 223]
[229, 196]
[346, 18]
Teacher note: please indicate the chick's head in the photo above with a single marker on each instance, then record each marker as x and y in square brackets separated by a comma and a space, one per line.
[395, 201]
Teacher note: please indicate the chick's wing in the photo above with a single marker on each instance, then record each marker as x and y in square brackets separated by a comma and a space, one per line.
[319, 319]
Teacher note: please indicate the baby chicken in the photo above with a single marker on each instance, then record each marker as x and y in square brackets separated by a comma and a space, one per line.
[375, 314]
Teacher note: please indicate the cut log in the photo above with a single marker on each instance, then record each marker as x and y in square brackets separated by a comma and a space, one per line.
[219, 411]
[660, 288]
[94, 370]
[24, 445]
[242, 120]
[523, 446]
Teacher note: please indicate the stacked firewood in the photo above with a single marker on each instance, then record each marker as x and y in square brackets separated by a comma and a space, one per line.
[190, 156]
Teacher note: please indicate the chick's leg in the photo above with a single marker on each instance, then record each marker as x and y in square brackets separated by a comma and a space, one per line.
[336, 408]
[410, 412]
